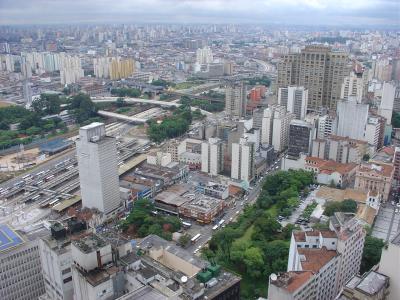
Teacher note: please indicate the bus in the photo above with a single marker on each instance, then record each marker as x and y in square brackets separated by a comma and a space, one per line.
[221, 222]
[215, 227]
[186, 224]
[195, 238]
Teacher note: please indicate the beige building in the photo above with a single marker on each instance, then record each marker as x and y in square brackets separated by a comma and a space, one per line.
[375, 177]
[235, 100]
[113, 67]
[318, 69]
[340, 149]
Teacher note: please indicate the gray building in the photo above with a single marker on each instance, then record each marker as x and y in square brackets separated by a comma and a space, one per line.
[98, 172]
[301, 134]
[235, 100]
[20, 268]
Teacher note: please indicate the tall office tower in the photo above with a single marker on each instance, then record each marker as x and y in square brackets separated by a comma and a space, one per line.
[353, 86]
[396, 102]
[351, 119]
[301, 134]
[243, 160]
[70, 69]
[212, 156]
[98, 173]
[327, 125]
[280, 128]
[387, 101]
[295, 100]
[317, 68]
[20, 269]
[204, 56]
[235, 100]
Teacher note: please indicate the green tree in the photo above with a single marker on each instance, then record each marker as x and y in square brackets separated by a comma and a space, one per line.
[184, 240]
[47, 104]
[237, 250]
[371, 253]
[120, 102]
[254, 261]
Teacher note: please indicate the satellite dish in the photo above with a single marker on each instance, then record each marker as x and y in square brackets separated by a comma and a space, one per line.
[184, 279]
[273, 277]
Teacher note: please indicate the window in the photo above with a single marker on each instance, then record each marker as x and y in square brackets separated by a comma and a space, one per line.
[65, 271]
[68, 279]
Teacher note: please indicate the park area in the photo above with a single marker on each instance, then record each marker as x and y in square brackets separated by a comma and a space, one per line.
[256, 245]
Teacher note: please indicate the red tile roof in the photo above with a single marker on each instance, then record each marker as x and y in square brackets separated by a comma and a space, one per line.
[315, 259]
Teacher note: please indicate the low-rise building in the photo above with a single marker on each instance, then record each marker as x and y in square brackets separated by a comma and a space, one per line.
[329, 171]
[376, 177]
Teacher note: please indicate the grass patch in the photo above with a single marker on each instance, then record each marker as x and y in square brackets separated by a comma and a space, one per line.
[247, 235]
[186, 85]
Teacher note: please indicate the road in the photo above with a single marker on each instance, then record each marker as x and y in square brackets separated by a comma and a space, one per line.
[231, 212]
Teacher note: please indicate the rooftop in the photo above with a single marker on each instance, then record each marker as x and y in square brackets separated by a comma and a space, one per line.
[90, 243]
[372, 283]
[332, 194]
[377, 168]
[314, 259]
[292, 281]
[9, 238]
[330, 166]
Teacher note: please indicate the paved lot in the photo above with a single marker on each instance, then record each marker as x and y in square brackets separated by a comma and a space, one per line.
[387, 223]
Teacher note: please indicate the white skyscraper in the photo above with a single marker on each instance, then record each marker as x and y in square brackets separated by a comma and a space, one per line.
[352, 86]
[387, 101]
[98, 173]
[243, 160]
[204, 56]
[351, 119]
[295, 99]
[70, 69]
[212, 156]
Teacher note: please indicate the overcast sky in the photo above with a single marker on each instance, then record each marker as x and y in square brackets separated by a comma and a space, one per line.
[313, 12]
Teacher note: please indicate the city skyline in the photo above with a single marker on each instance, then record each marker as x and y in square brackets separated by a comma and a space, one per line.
[324, 12]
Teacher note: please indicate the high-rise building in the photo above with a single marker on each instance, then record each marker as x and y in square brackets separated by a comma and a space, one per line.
[70, 69]
[280, 128]
[373, 130]
[352, 86]
[113, 67]
[212, 156]
[98, 173]
[295, 100]
[320, 262]
[318, 69]
[396, 102]
[301, 134]
[243, 160]
[327, 125]
[20, 268]
[351, 119]
[387, 101]
[396, 164]
[235, 100]
[204, 56]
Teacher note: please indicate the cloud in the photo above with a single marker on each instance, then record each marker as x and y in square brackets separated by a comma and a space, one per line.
[313, 12]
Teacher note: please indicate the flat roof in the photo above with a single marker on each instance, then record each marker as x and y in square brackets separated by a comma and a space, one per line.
[59, 207]
[9, 238]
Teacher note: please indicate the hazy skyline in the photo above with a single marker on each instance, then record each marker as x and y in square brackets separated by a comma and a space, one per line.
[312, 12]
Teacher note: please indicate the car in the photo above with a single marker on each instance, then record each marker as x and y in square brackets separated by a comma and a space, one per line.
[237, 212]
[393, 203]
[230, 219]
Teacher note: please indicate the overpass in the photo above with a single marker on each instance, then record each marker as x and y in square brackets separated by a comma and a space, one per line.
[134, 119]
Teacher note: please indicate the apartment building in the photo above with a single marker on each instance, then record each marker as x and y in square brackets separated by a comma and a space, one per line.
[320, 262]
[340, 149]
[295, 99]
[212, 156]
[353, 86]
[235, 100]
[301, 134]
[243, 160]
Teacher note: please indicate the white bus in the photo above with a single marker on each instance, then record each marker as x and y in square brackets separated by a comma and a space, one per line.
[186, 224]
[215, 227]
[195, 238]
[221, 222]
